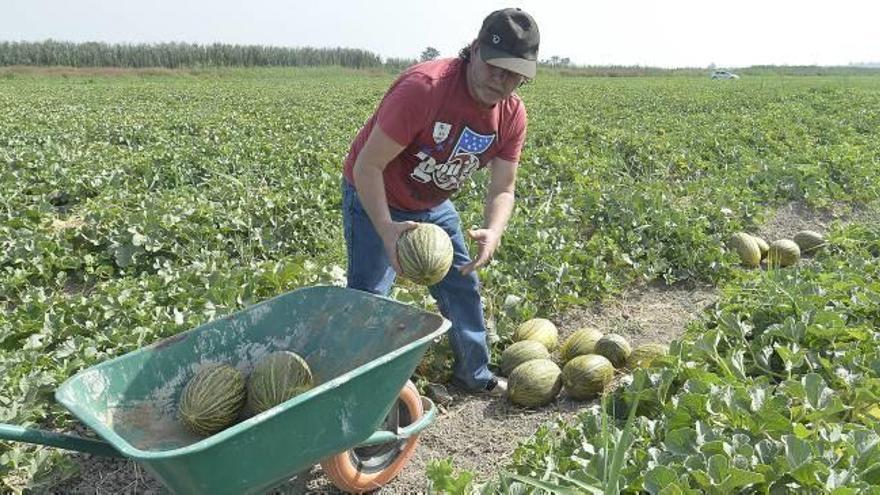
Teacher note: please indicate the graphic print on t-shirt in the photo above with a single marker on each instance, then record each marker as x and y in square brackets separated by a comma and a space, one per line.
[461, 164]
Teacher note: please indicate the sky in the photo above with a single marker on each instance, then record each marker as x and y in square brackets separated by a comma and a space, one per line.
[686, 33]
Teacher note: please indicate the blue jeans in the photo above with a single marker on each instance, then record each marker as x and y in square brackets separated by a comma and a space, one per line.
[457, 295]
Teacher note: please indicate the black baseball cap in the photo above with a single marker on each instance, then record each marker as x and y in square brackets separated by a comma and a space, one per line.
[509, 39]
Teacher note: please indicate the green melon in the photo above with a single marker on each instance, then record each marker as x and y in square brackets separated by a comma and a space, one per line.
[534, 383]
[747, 248]
[809, 241]
[783, 252]
[212, 399]
[540, 330]
[582, 341]
[643, 355]
[425, 254]
[520, 352]
[615, 348]
[586, 376]
[276, 378]
[762, 245]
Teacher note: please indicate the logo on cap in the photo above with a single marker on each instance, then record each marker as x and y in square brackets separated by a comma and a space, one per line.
[496, 39]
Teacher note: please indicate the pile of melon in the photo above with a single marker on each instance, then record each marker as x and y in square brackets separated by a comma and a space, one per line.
[753, 250]
[586, 363]
[219, 394]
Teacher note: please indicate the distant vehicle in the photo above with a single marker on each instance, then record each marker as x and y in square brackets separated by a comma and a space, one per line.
[723, 74]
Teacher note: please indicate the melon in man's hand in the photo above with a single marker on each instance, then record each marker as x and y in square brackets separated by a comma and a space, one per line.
[425, 254]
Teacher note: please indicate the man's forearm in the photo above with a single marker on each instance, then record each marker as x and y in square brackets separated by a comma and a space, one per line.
[498, 209]
[370, 186]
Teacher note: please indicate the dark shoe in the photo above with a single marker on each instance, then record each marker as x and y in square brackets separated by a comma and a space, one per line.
[497, 387]
[439, 394]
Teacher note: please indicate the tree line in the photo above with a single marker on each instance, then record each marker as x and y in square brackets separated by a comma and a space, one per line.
[176, 55]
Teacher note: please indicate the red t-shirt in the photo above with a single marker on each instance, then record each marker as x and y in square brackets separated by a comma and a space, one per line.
[447, 134]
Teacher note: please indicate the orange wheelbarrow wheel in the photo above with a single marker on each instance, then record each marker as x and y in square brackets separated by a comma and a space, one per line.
[363, 469]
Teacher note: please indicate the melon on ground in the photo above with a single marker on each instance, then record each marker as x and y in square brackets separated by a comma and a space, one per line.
[747, 248]
[586, 376]
[762, 245]
[643, 355]
[582, 341]
[538, 329]
[615, 348]
[534, 383]
[520, 352]
[809, 241]
[783, 252]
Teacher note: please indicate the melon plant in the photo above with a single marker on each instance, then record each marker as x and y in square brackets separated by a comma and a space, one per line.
[762, 246]
[747, 248]
[520, 352]
[643, 355]
[586, 376]
[783, 252]
[534, 383]
[615, 348]
[425, 254]
[538, 329]
[212, 398]
[279, 376]
[582, 341]
[809, 241]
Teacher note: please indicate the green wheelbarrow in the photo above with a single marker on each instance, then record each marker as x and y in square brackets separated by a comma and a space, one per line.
[360, 422]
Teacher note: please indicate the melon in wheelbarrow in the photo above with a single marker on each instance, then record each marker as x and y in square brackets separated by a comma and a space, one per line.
[212, 399]
[278, 377]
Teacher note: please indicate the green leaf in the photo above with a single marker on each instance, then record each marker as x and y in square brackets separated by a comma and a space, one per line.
[591, 485]
[739, 478]
[816, 389]
[801, 431]
[442, 478]
[717, 468]
[797, 451]
[810, 474]
[867, 445]
[682, 441]
[871, 474]
[543, 485]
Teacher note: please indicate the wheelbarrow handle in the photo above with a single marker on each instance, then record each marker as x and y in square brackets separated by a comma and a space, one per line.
[61, 440]
[384, 436]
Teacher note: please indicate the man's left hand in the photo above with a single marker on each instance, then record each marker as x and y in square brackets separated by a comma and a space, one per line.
[487, 241]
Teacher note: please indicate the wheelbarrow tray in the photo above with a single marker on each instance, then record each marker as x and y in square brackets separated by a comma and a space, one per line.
[361, 348]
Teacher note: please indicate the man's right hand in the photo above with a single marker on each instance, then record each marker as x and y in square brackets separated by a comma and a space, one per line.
[390, 234]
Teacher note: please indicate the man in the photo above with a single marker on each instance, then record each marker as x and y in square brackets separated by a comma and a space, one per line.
[438, 123]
